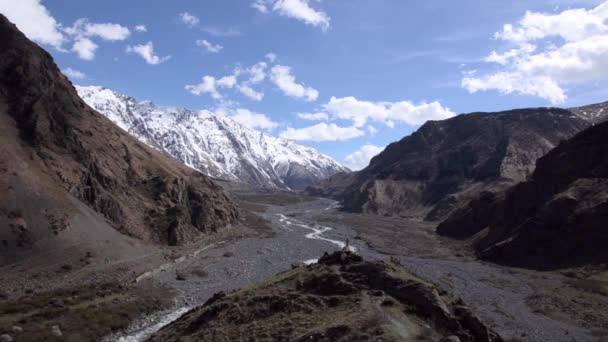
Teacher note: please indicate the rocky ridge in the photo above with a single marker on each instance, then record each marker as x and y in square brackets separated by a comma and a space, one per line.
[341, 298]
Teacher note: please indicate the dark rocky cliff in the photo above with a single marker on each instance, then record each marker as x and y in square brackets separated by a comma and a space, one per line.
[558, 218]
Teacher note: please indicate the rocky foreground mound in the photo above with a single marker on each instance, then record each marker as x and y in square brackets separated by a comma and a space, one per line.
[57, 153]
[558, 218]
[341, 298]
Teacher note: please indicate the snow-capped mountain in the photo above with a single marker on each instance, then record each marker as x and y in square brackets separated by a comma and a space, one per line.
[214, 144]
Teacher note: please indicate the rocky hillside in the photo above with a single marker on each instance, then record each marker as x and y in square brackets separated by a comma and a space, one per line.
[558, 218]
[594, 113]
[56, 154]
[214, 144]
[444, 164]
[342, 298]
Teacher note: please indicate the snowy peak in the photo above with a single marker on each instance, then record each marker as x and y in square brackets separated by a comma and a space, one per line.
[214, 144]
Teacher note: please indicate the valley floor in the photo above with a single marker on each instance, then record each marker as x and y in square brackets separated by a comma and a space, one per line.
[281, 229]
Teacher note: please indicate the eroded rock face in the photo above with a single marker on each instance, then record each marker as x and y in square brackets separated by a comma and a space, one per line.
[558, 218]
[445, 164]
[50, 130]
[342, 298]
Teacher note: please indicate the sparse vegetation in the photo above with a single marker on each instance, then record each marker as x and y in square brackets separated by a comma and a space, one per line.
[82, 314]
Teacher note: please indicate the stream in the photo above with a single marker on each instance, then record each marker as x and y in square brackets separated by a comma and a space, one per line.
[295, 242]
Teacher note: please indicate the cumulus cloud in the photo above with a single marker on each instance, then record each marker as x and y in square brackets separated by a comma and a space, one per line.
[281, 76]
[251, 93]
[551, 51]
[322, 132]
[106, 31]
[257, 72]
[74, 74]
[146, 51]
[189, 19]
[210, 47]
[296, 9]
[34, 20]
[271, 57]
[360, 112]
[209, 85]
[141, 28]
[360, 158]
[253, 119]
[85, 48]
[318, 116]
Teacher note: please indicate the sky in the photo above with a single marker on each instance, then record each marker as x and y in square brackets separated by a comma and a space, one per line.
[346, 77]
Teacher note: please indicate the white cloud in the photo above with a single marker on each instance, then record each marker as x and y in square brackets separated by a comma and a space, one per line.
[146, 51]
[82, 31]
[209, 85]
[322, 132]
[257, 72]
[281, 76]
[513, 82]
[227, 81]
[221, 32]
[253, 119]
[260, 5]
[360, 158]
[271, 57]
[552, 50]
[251, 93]
[34, 20]
[296, 9]
[314, 116]
[189, 19]
[372, 130]
[359, 112]
[210, 47]
[85, 48]
[74, 74]
[141, 28]
[82, 28]
[106, 31]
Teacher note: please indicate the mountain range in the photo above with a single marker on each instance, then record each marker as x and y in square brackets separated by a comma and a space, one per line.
[445, 164]
[214, 144]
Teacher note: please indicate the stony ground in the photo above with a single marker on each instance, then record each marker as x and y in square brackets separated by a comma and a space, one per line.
[279, 230]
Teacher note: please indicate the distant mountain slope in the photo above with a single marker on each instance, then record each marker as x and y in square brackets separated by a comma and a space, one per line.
[444, 164]
[594, 113]
[559, 217]
[213, 144]
[58, 157]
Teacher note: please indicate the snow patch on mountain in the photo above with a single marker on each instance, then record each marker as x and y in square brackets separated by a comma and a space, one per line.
[214, 144]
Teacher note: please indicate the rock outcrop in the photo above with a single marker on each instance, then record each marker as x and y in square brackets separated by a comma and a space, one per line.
[57, 152]
[557, 218]
[341, 298]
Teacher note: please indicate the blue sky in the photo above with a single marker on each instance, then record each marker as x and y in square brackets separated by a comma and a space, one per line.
[369, 71]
